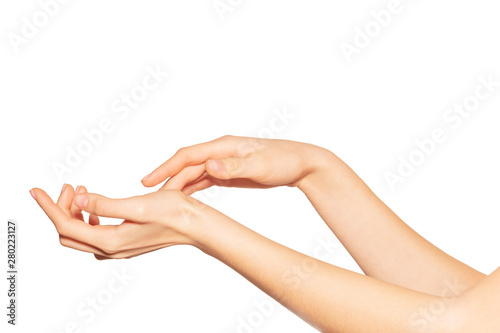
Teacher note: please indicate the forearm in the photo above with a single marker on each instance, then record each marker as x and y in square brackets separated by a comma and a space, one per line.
[380, 242]
[327, 297]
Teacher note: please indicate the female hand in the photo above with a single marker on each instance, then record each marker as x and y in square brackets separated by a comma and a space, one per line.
[151, 222]
[238, 162]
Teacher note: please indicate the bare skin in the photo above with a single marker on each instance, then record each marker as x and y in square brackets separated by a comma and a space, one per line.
[372, 235]
[406, 276]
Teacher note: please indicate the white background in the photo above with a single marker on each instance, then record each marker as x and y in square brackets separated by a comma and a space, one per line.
[229, 76]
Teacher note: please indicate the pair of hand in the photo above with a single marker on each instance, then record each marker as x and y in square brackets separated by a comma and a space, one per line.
[167, 217]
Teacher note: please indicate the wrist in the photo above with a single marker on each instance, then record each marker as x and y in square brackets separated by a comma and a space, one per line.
[193, 215]
[211, 230]
[329, 176]
[321, 166]
[204, 226]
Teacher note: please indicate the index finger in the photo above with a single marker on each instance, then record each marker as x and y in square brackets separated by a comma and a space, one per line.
[193, 155]
[95, 235]
[132, 209]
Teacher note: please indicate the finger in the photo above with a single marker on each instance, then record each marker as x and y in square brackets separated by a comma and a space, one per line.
[100, 257]
[66, 198]
[53, 211]
[219, 148]
[130, 253]
[73, 244]
[232, 167]
[128, 209]
[198, 186]
[94, 219]
[98, 236]
[188, 175]
[76, 212]
[209, 181]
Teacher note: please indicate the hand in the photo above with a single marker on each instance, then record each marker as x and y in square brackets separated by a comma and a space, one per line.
[151, 222]
[238, 162]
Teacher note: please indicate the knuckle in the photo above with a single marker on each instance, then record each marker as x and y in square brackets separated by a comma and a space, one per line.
[140, 210]
[180, 151]
[247, 147]
[232, 166]
[226, 137]
[98, 206]
[183, 153]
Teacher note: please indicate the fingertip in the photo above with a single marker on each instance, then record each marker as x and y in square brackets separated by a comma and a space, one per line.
[81, 201]
[145, 178]
[38, 194]
[149, 180]
[67, 188]
[33, 194]
[66, 196]
[145, 181]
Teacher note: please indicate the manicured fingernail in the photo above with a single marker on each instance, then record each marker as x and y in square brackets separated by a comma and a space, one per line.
[62, 190]
[81, 201]
[147, 176]
[77, 189]
[215, 165]
[33, 194]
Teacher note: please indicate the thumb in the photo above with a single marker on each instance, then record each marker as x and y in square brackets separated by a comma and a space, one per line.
[229, 168]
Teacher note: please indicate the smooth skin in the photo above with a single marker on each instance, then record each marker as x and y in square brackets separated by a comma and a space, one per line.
[380, 242]
[407, 283]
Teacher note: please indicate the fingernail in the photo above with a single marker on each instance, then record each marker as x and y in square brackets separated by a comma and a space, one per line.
[77, 189]
[81, 201]
[147, 176]
[33, 194]
[62, 190]
[215, 165]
